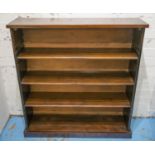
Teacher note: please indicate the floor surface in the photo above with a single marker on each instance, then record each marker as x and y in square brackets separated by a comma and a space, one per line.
[142, 128]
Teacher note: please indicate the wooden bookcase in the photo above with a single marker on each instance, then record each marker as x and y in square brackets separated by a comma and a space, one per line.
[77, 77]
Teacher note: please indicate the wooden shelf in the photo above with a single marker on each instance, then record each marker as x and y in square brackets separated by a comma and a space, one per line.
[127, 54]
[77, 45]
[76, 125]
[60, 78]
[85, 99]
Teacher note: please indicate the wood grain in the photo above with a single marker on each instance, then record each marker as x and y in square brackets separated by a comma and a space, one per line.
[77, 38]
[77, 88]
[77, 45]
[77, 23]
[93, 111]
[88, 60]
[77, 65]
[77, 77]
[59, 78]
[103, 54]
[77, 124]
[83, 99]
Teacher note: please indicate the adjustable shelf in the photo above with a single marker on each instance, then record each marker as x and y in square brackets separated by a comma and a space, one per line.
[77, 77]
[65, 78]
[93, 54]
[77, 100]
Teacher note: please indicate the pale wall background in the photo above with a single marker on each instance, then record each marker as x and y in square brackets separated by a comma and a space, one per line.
[10, 102]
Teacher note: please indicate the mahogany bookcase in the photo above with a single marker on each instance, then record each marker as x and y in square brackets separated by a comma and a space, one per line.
[77, 77]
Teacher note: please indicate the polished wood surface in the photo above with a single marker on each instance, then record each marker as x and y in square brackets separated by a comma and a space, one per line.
[77, 65]
[86, 99]
[77, 45]
[77, 38]
[77, 77]
[77, 23]
[77, 88]
[57, 78]
[78, 111]
[102, 54]
[88, 60]
[75, 124]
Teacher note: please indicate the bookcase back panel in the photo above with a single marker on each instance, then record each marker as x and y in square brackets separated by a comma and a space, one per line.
[77, 37]
[76, 88]
[78, 111]
[77, 65]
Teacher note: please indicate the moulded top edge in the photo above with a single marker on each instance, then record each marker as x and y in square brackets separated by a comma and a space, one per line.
[77, 23]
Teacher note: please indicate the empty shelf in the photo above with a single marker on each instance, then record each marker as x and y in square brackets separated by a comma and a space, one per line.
[76, 125]
[84, 99]
[127, 54]
[60, 78]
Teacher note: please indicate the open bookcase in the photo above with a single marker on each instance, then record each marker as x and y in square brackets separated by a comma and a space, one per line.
[77, 77]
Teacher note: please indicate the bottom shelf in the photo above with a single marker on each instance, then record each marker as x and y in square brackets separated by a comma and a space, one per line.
[77, 126]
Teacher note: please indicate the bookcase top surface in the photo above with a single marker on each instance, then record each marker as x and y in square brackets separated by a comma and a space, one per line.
[77, 23]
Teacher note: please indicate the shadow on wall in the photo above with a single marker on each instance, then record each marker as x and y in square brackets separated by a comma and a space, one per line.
[4, 110]
[138, 107]
[152, 105]
[141, 103]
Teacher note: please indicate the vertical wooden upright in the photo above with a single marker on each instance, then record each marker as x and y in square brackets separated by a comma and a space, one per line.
[77, 77]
